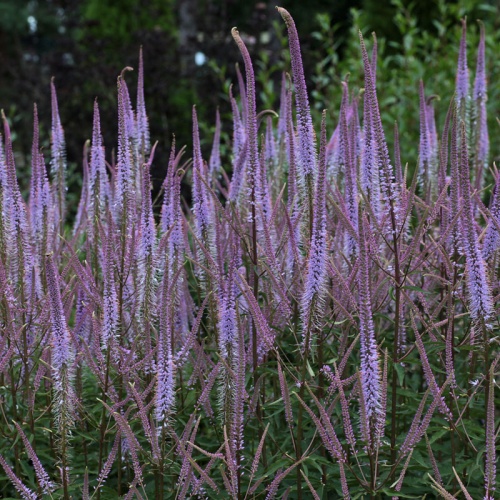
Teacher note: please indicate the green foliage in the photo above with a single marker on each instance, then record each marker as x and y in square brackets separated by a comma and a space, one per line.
[117, 20]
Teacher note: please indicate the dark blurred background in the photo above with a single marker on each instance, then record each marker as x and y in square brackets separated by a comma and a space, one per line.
[189, 57]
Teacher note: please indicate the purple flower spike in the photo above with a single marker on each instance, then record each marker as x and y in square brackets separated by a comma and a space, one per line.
[480, 131]
[39, 192]
[370, 369]
[347, 144]
[369, 172]
[171, 218]
[58, 162]
[386, 176]
[14, 209]
[282, 120]
[480, 83]
[62, 355]
[202, 202]
[306, 157]
[271, 155]
[462, 79]
[314, 290]
[110, 303]
[148, 227]
[142, 124]
[124, 192]
[98, 179]
[427, 156]
[480, 299]
[42, 477]
[214, 162]
[23, 490]
[165, 388]
[239, 150]
[374, 58]
[251, 121]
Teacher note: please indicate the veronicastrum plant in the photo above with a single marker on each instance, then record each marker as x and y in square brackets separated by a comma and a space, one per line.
[318, 324]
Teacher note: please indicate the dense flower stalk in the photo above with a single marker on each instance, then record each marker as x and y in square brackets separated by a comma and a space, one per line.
[58, 163]
[99, 194]
[252, 164]
[215, 162]
[370, 369]
[124, 194]
[110, 303]
[480, 128]
[165, 385]
[23, 490]
[306, 147]
[142, 124]
[314, 289]
[462, 79]
[202, 201]
[348, 141]
[19, 248]
[480, 300]
[386, 175]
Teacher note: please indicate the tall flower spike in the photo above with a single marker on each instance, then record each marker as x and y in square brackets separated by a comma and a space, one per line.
[38, 201]
[480, 299]
[424, 148]
[42, 477]
[370, 369]
[382, 152]
[369, 172]
[171, 210]
[282, 120]
[455, 182]
[165, 386]
[306, 140]
[214, 162]
[462, 79]
[34, 188]
[141, 116]
[98, 179]
[62, 361]
[251, 122]
[239, 150]
[293, 251]
[58, 162]
[480, 130]
[124, 188]
[202, 202]
[23, 490]
[374, 58]
[243, 94]
[271, 156]
[347, 142]
[110, 303]
[148, 227]
[314, 289]
[14, 209]
[230, 347]
[62, 355]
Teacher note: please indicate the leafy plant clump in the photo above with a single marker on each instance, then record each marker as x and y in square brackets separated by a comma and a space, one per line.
[321, 323]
